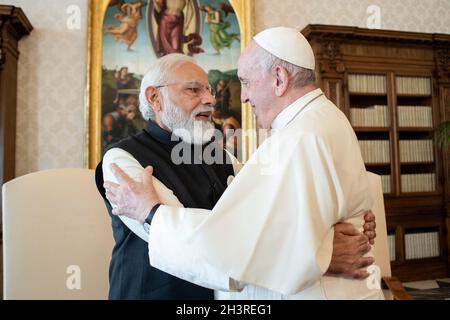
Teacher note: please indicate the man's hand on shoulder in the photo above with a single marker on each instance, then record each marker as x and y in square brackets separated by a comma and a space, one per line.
[130, 198]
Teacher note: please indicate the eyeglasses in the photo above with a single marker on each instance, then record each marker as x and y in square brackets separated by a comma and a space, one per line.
[192, 89]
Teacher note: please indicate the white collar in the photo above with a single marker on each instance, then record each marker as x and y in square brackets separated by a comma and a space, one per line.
[285, 116]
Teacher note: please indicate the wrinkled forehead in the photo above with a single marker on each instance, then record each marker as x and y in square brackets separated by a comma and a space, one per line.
[189, 72]
[246, 64]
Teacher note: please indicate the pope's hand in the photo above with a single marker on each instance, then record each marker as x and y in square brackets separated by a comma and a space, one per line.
[349, 248]
[130, 198]
[369, 226]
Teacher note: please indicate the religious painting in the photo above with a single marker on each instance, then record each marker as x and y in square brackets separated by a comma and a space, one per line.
[134, 34]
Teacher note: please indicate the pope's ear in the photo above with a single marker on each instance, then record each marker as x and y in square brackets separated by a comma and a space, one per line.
[282, 80]
[152, 94]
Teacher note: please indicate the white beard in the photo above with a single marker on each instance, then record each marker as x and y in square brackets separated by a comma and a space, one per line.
[184, 125]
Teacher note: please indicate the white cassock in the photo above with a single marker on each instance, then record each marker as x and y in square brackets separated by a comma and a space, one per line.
[271, 232]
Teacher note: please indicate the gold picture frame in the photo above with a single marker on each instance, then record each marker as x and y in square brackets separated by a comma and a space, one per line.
[245, 14]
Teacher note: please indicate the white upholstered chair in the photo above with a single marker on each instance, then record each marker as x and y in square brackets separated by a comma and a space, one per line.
[57, 237]
[393, 287]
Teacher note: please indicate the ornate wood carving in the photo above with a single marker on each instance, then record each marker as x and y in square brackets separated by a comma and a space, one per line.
[331, 57]
[442, 56]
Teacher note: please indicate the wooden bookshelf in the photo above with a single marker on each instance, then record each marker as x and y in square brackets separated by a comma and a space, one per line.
[395, 89]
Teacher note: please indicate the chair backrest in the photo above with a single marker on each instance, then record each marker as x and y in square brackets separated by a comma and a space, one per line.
[381, 247]
[57, 236]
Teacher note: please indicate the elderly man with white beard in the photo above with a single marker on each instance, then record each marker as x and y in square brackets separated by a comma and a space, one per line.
[177, 101]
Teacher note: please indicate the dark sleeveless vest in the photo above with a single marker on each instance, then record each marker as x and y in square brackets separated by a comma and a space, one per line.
[195, 186]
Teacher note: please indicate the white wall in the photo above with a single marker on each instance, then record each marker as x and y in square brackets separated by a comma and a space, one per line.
[52, 65]
[51, 90]
[431, 16]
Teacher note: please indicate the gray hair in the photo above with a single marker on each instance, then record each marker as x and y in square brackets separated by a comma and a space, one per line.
[157, 75]
[299, 76]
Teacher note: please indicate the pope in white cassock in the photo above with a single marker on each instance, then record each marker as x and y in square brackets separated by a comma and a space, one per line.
[270, 234]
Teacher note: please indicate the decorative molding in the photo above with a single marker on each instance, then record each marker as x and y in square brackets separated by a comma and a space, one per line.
[359, 34]
[96, 12]
[13, 26]
[245, 12]
[16, 17]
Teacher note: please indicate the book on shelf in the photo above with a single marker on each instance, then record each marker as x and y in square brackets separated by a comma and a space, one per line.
[367, 83]
[386, 183]
[421, 245]
[375, 151]
[415, 116]
[413, 85]
[373, 116]
[391, 244]
[416, 151]
[418, 182]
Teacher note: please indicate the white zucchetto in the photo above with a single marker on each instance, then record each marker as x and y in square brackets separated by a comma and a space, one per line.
[288, 44]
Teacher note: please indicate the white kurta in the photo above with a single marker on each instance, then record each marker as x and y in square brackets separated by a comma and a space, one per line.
[204, 274]
[272, 227]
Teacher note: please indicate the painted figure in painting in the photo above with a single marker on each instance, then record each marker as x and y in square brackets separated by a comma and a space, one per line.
[124, 79]
[223, 95]
[150, 29]
[120, 115]
[129, 18]
[173, 17]
[215, 19]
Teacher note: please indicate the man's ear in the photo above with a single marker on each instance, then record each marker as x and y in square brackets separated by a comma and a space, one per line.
[153, 97]
[282, 80]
